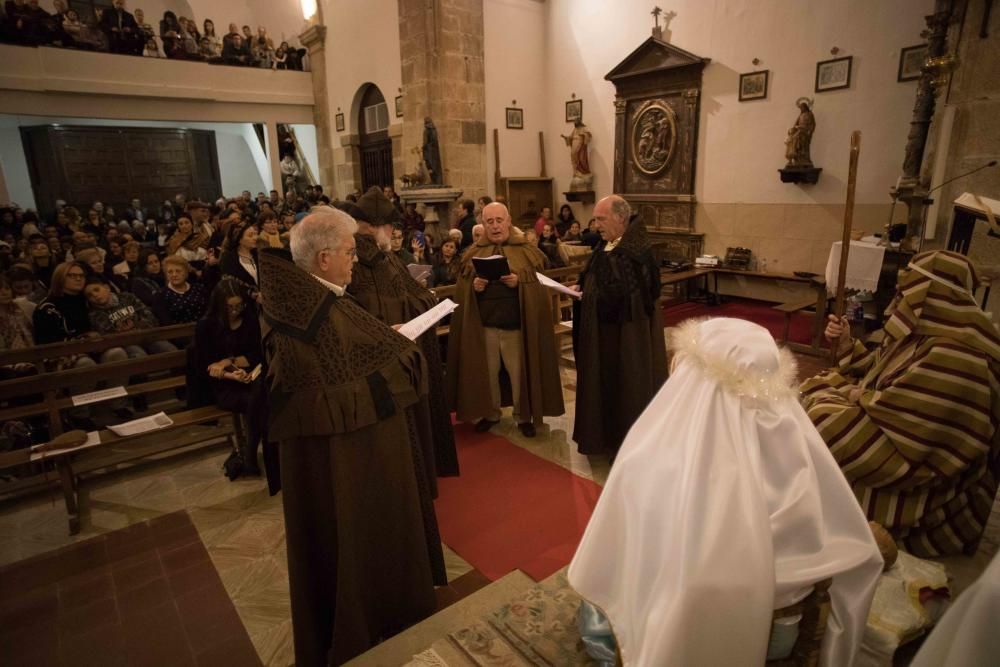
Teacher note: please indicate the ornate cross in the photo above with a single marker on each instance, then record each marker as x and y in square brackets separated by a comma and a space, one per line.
[656, 16]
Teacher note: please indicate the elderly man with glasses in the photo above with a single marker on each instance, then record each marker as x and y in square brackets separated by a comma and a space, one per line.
[360, 528]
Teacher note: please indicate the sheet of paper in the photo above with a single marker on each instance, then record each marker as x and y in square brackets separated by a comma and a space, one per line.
[99, 395]
[93, 438]
[557, 286]
[142, 425]
[419, 271]
[567, 323]
[421, 323]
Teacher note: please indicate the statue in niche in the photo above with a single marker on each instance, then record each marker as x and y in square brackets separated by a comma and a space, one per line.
[800, 136]
[432, 153]
[579, 142]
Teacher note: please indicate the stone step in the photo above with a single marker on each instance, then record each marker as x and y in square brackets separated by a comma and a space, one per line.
[400, 649]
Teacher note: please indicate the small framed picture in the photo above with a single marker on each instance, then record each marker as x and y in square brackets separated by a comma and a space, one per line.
[911, 59]
[339, 118]
[515, 118]
[399, 106]
[574, 111]
[833, 74]
[753, 85]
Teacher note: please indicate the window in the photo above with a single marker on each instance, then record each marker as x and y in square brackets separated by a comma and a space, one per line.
[376, 118]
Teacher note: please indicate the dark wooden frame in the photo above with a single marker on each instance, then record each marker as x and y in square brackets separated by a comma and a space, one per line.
[507, 118]
[850, 69]
[574, 103]
[902, 57]
[767, 79]
[339, 120]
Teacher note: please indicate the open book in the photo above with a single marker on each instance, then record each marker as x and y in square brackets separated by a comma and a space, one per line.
[421, 323]
[493, 267]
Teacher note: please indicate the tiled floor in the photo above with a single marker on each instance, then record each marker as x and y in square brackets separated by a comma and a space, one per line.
[242, 527]
[147, 594]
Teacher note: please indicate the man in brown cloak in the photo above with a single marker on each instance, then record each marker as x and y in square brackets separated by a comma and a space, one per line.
[508, 322]
[384, 287]
[617, 332]
[360, 558]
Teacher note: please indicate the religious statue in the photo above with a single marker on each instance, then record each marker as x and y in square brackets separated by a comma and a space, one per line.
[578, 142]
[432, 153]
[800, 136]
[417, 177]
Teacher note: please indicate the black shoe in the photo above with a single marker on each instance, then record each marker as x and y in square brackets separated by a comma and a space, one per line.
[124, 413]
[484, 425]
[527, 429]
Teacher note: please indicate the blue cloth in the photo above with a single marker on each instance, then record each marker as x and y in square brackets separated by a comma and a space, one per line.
[595, 631]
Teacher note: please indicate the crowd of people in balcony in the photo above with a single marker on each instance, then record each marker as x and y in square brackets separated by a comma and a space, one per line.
[118, 30]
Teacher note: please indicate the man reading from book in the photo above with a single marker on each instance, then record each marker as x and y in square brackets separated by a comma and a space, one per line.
[502, 348]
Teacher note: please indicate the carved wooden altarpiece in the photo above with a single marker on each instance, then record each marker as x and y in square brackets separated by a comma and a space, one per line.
[657, 101]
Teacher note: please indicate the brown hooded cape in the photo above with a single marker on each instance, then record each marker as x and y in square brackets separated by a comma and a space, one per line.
[383, 286]
[618, 343]
[363, 547]
[467, 378]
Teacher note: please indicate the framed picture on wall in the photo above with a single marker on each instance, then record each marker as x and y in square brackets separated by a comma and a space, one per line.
[515, 118]
[833, 74]
[574, 111]
[753, 85]
[911, 59]
[399, 106]
[339, 118]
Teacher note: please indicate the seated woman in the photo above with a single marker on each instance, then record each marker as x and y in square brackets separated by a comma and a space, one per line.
[268, 234]
[447, 265]
[185, 301]
[188, 242]
[564, 221]
[92, 259]
[396, 244]
[148, 283]
[914, 423]
[591, 237]
[723, 505]
[239, 256]
[227, 348]
[573, 234]
[129, 264]
[15, 326]
[549, 244]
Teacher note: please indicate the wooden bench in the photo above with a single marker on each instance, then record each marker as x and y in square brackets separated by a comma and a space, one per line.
[42, 395]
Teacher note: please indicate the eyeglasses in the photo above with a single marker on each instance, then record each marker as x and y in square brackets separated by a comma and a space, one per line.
[350, 252]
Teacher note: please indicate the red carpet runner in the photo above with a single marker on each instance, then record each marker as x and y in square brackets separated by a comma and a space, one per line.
[511, 509]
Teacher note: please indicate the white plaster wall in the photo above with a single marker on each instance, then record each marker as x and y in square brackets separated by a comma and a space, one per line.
[741, 144]
[514, 41]
[282, 18]
[362, 46]
[242, 162]
[306, 136]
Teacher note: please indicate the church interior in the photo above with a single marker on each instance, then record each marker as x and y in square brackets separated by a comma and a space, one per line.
[819, 177]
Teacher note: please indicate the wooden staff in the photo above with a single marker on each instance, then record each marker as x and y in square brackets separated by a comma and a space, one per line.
[845, 245]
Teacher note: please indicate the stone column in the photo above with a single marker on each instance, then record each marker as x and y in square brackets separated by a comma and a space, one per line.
[441, 49]
[274, 157]
[349, 165]
[314, 39]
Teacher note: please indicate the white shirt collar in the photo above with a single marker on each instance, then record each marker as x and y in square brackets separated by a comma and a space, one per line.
[336, 289]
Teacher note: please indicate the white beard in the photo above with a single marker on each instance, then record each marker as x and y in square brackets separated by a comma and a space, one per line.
[383, 240]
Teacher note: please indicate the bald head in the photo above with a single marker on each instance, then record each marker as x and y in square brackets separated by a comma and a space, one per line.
[612, 214]
[496, 222]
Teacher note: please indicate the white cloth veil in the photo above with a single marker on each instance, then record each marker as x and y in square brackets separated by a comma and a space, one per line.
[724, 504]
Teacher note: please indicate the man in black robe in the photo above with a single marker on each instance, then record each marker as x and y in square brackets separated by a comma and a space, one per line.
[357, 527]
[617, 332]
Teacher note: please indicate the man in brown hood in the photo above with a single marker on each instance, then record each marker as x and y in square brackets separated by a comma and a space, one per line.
[506, 321]
[384, 287]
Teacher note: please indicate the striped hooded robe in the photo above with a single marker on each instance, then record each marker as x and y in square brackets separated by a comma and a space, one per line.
[919, 442]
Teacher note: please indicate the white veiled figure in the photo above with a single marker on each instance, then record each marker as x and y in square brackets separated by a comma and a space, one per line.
[723, 505]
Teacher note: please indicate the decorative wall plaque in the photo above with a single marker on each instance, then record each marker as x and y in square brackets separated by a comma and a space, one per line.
[658, 94]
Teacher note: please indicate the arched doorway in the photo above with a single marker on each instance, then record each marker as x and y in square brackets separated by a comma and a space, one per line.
[376, 146]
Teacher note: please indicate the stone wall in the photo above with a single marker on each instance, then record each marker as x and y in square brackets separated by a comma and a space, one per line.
[441, 48]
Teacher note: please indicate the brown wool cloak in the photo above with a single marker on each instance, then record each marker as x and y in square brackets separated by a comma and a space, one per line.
[361, 534]
[618, 341]
[384, 287]
[467, 378]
